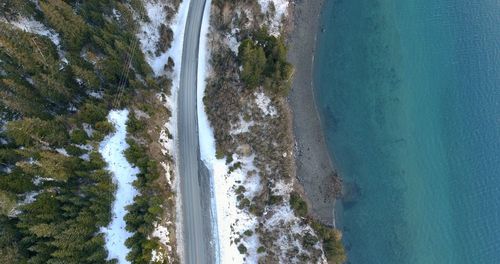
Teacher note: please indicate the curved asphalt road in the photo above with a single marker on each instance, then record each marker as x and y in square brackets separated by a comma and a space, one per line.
[196, 236]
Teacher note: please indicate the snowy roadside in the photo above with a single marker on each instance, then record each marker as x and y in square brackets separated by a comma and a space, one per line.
[124, 174]
[230, 221]
[205, 133]
[149, 37]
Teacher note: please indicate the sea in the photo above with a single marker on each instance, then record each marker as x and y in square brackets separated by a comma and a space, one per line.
[409, 96]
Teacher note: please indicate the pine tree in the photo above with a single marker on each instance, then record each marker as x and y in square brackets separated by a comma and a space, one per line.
[63, 19]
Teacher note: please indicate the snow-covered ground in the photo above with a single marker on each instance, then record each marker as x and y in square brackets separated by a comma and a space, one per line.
[112, 149]
[149, 36]
[276, 15]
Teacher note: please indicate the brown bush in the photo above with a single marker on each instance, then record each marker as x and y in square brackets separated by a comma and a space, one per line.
[166, 38]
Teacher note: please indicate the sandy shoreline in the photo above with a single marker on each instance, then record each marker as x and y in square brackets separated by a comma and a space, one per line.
[314, 166]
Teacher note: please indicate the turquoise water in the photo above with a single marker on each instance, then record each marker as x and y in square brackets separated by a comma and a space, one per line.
[409, 94]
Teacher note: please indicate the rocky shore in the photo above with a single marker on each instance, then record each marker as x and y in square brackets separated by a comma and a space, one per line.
[314, 166]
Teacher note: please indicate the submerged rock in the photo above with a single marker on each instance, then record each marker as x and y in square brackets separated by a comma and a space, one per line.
[350, 194]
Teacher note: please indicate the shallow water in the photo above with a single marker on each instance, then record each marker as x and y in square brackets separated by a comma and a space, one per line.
[409, 93]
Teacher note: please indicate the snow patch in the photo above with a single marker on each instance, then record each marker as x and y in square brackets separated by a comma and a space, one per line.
[157, 256]
[264, 103]
[168, 174]
[86, 147]
[242, 127]
[124, 174]
[166, 138]
[88, 129]
[6, 169]
[232, 41]
[96, 94]
[232, 220]
[162, 233]
[35, 27]
[85, 157]
[62, 151]
[39, 180]
[281, 188]
[116, 14]
[149, 35]
[29, 197]
[275, 15]
[205, 133]
[281, 218]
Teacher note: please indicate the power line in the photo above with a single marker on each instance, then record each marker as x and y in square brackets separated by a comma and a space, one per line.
[127, 67]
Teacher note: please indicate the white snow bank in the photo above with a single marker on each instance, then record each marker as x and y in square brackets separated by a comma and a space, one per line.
[205, 133]
[280, 11]
[7, 169]
[112, 149]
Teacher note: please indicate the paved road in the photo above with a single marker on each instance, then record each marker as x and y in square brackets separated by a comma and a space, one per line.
[196, 236]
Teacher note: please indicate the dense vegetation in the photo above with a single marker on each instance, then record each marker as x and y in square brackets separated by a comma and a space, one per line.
[263, 59]
[55, 193]
[155, 199]
[331, 238]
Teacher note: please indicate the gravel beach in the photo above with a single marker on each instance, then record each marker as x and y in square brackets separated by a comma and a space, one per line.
[314, 167]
